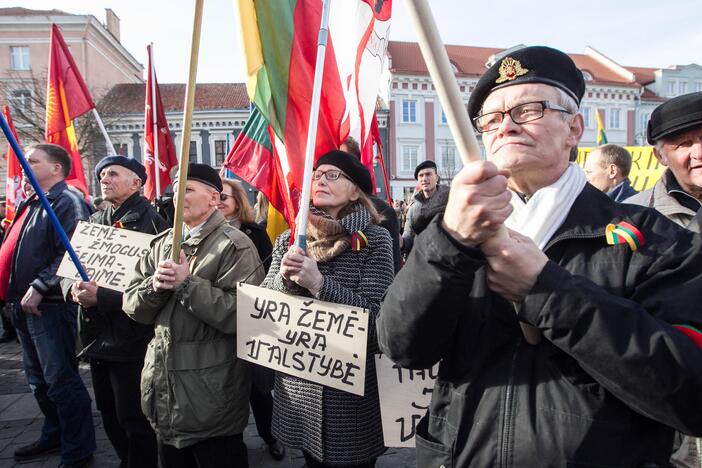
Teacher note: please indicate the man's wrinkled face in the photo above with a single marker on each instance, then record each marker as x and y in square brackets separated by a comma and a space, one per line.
[117, 183]
[682, 153]
[199, 202]
[539, 147]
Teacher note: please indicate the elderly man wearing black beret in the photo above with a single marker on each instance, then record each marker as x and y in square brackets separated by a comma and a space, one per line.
[613, 290]
[114, 344]
[194, 389]
[675, 131]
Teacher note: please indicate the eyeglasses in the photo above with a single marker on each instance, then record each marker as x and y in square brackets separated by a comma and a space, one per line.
[225, 197]
[331, 175]
[521, 114]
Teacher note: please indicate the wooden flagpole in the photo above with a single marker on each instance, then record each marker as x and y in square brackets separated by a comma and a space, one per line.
[444, 81]
[185, 140]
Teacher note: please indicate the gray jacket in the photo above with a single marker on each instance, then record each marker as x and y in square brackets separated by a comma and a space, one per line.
[193, 387]
[413, 213]
[658, 197]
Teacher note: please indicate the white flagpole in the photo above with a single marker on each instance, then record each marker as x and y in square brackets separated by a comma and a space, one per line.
[301, 236]
[108, 143]
[157, 166]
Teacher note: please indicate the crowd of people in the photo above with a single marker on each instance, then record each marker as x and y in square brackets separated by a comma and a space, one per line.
[609, 280]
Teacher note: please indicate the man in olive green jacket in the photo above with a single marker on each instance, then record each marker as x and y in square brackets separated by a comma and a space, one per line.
[195, 391]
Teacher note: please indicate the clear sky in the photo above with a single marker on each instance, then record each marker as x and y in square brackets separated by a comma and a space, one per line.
[650, 33]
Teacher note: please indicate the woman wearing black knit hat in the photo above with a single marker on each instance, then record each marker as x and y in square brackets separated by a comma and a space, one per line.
[348, 261]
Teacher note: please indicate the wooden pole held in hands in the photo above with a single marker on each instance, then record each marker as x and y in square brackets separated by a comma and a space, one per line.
[457, 118]
[185, 140]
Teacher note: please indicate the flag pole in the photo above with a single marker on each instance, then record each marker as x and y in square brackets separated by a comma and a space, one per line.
[108, 143]
[44, 201]
[185, 140]
[446, 86]
[301, 236]
[157, 167]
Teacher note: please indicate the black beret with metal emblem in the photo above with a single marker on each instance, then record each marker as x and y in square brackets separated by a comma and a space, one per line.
[676, 115]
[536, 64]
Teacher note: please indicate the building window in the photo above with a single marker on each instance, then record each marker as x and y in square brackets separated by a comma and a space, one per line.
[220, 152]
[614, 118]
[20, 101]
[683, 87]
[121, 148]
[443, 117]
[448, 160]
[193, 151]
[672, 88]
[586, 116]
[409, 111]
[643, 126]
[409, 158]
[19, 58]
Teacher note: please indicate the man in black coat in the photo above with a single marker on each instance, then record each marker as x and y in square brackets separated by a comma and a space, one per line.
[613, 291]
[115, 344]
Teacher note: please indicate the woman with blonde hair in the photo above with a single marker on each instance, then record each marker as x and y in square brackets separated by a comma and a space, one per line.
[349, 261]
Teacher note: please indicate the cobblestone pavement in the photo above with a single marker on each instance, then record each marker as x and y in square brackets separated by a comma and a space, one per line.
[21, 420]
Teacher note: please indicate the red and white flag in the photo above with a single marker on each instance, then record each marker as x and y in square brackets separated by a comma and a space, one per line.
[160, 151]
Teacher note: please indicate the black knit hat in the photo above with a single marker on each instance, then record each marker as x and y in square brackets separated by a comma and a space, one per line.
[676, 115]
[351, 166]
[130, 163]
[205, 174]
[424, 165]
[536, 64]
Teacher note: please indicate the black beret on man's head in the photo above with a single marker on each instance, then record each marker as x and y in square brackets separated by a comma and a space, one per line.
[130, 163]
[674, 116]
[427, 164]
[205, 174]
[536, 64]
[351, 166]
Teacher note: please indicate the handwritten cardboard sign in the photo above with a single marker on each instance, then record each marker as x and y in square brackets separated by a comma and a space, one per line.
[108, 254]
[404, 398]
[311, 339]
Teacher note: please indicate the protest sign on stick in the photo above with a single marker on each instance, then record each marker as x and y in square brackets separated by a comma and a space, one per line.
[311, 339]
[108, 254]
[404, 398]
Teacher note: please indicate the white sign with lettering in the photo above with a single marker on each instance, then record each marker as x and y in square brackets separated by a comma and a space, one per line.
[311, 339]
[404, 398]
[108, 254]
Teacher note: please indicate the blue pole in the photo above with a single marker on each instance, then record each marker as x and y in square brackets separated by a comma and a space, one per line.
[44, 201]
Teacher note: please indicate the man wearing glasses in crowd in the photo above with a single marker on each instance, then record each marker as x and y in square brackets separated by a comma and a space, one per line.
[613, 291]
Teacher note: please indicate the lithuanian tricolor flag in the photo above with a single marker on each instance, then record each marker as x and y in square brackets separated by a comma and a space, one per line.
[251, 158]
[67, 97]
[280, 47]
[601, 135]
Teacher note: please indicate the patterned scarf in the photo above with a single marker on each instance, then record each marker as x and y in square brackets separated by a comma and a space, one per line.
[326, 237]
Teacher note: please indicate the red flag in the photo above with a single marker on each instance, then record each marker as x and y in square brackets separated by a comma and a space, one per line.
[67, 97]
[163, 146]
[13, 187]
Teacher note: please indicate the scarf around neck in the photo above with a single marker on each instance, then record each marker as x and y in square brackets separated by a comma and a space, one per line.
[328, 237]
[545, 211]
